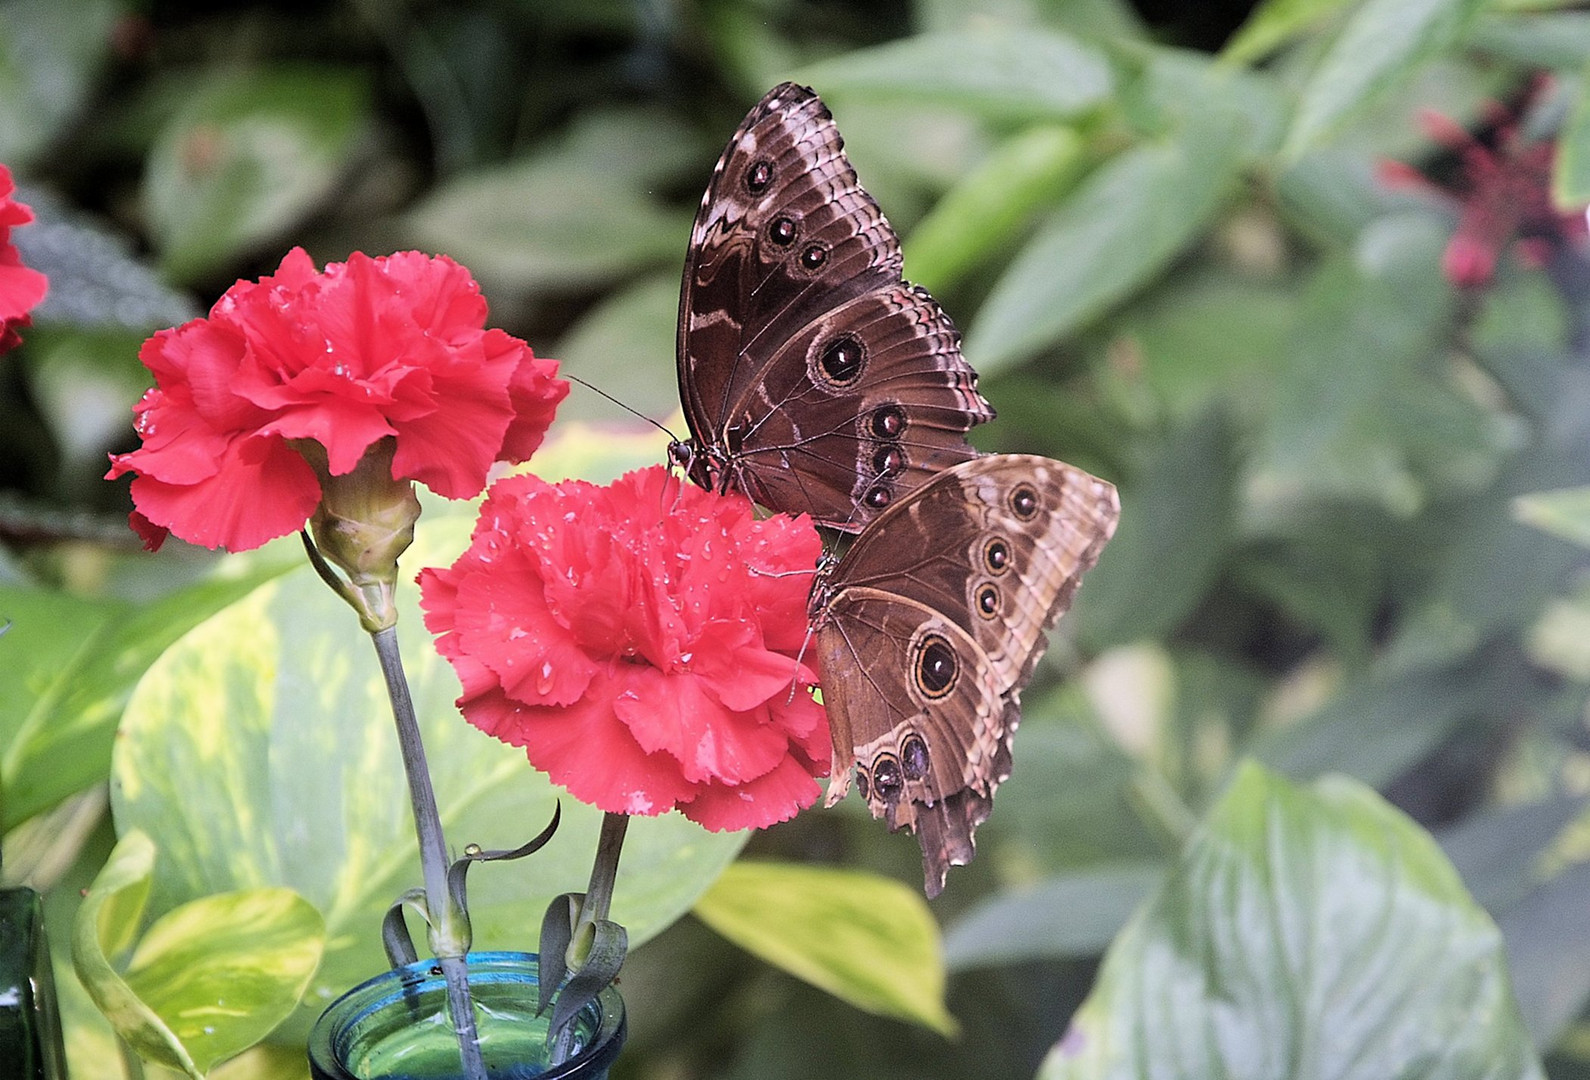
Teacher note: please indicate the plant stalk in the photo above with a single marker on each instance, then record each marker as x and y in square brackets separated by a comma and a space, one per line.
[446, 941]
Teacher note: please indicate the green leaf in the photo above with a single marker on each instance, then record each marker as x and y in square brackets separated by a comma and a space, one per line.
[1558, 40]
[223, 971]
[261, 748]
[865, 939]
[106, 923]
[574, 216]
[50, 56]
[1570, 177]
[1121, 226]
[1564, 513]
[1021, 72]
[1274, 23]
[1382, 44]
[209, 979]
[622, 346]
[68, 667]
[1306, 931]
[1074, 914]
[1176, 526]
[247, 158]
[992, 205]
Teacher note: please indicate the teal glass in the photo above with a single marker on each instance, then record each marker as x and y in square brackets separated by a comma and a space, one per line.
[30, 1024]
[395, 1026]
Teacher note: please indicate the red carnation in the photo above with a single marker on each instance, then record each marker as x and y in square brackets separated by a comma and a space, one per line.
[21, 288]
[291, 380]
[640, 641]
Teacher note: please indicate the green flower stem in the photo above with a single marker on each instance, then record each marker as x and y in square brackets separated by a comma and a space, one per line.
[449, 928]
[599, 895]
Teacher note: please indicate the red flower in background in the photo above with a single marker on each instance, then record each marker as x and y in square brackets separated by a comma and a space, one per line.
[640, 641]
[300, 374]
[1502, 192]
[21, 288]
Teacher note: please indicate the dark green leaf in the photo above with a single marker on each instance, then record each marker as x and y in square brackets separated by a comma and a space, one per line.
[625, 346]
[1305, 932]
[248, 157]
[50, 55]
[568, 218]
[989, 208]
[1382, 44]
[1549, 953]
[1499, 852]
[1072, 915]
[1275, 23]
[1558, 40]
[997, 69]
[1119, 228]
[1176, 526]
[1570, 178]
[863, 938]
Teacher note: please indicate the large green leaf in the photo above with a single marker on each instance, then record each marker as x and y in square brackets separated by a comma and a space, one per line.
[260, 748]
[208, 979]
[624, 346]
[249, 156]
[1382, 44]
[993, 68]
[863, 938]
[67, 666]
[1306, 931]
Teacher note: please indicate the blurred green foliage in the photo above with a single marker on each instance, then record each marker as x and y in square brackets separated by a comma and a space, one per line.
[1353, 517]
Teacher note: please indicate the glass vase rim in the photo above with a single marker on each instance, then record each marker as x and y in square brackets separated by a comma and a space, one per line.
[598, 1054]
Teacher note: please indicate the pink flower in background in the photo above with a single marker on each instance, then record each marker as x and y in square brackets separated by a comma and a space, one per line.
[639, 640]
[21, 288]
[296, 377]
[1502, 193]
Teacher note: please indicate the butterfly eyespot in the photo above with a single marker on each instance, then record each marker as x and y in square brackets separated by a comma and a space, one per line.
[888, 421]
[878, 496]
[887, 460]
[936, 667]
[783, 231]
[814, 256]
[1024, 502]
[996, 556]
[842, 360]
[887, 780]
[988, 601]
[914, 757]
[758, 177]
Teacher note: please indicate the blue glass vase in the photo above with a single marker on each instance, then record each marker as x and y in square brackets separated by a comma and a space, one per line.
[30, 1025]
[395, 1026]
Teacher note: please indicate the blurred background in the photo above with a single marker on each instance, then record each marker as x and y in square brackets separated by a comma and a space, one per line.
[1293, 278]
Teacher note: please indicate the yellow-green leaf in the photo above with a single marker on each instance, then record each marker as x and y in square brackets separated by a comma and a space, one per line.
[865, 939]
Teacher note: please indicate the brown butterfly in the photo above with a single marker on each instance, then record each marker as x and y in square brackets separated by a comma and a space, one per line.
[813, 378]
[929, 626]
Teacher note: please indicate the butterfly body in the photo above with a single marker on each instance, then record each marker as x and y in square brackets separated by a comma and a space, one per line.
[813, 378]
[929, 627]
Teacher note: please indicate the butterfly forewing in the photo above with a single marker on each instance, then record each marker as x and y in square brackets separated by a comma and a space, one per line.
[929, 627]
[813, 378]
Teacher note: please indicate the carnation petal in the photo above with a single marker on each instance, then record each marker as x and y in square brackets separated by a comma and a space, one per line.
[676, 715]
[261, 490]
[775, 796]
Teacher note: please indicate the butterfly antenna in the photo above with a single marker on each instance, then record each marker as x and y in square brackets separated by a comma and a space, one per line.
[627, 408]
